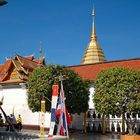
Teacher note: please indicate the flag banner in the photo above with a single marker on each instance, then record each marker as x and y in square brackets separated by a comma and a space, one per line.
[61, 114]
[58, 112]
[53, 109]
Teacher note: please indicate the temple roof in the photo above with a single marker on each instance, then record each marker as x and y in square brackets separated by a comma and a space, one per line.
[26, 62]
[18, 69]
[1, 66]
[30, 57]
[93, 53]
[90, 71]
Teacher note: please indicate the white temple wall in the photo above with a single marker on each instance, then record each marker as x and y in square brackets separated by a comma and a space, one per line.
[15, 100]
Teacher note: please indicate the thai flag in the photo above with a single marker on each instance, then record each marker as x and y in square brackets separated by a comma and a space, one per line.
[63, 127]
[59, 110]
[59, 107]
[61, 113]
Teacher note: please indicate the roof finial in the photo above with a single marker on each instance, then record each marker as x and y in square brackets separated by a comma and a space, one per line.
[93, 35]
[40, 50]
[42, 58]
[93, 13]
[93, 53]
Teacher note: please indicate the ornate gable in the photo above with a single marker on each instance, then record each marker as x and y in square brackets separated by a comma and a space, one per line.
[14, 75]
[17, 70]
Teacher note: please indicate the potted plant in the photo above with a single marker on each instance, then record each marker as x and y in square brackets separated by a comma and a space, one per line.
[117, 91]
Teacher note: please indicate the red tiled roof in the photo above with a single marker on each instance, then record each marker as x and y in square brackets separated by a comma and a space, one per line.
[31, 57]
[90, 71]
[4, 69]
[25, 64]
[1, 66]
[37, 60]
[41, 60]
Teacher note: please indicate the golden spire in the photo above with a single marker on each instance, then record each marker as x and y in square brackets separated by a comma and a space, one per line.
[93, 35]
[93, 53]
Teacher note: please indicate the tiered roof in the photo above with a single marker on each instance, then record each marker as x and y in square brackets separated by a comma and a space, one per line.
[18, 69]
[93, 53]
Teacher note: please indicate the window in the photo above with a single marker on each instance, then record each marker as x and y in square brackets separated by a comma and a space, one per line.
[99, 115]
[128, 115]
[133, 115]
[94, 115]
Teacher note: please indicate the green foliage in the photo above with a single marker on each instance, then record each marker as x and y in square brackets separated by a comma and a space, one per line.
[40, 84]
[76, 91]
[117, 90]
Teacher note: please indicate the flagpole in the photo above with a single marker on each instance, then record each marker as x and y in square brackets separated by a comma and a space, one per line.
[61, 78]
[65, 110]
[58, 129]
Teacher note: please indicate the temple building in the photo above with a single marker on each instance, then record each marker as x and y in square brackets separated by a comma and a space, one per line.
[91, 65]
[14, 90]
[14, 79]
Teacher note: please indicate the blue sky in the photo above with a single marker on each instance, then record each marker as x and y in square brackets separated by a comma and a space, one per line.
[64, 28]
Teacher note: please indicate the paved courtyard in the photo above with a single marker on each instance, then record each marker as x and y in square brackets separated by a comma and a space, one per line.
[33, 134]
[81, 136]
[93, 136]
[89, 136]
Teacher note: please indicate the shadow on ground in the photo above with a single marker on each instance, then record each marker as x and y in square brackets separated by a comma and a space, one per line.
[94, 136]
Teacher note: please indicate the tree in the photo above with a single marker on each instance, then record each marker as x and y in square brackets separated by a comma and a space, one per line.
[40, 85]
[117, 91]
[3, 2]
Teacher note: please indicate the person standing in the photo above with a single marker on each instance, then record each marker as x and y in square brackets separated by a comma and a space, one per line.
[13, 122]
[19, 122]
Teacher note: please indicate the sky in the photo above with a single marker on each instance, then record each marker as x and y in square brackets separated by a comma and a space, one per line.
[62, 28]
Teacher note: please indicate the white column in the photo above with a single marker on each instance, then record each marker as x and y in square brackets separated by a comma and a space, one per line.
[91, 104]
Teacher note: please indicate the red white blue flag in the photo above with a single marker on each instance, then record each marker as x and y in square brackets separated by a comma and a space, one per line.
[61, 111]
